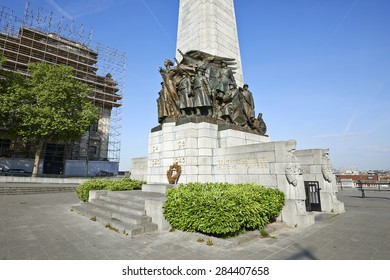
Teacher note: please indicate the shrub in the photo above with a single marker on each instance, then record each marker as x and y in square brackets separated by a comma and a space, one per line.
[124, 184]
[83, 189]
[222, 209]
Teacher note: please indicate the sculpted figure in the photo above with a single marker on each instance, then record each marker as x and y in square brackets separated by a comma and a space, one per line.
[208, 88]
[161, 105]
[172, 100]
[232, 109]
[202, 94]
[225, 78]
[258, 124]
[292, 170]
[185, 95]
[291, 175]
[327, 173]
[248, 102]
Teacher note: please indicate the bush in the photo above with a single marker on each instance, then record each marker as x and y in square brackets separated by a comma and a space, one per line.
[222, 209]
[124, 184]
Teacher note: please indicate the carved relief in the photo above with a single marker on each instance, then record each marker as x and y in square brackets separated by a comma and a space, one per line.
[292, 170]
[327, 173]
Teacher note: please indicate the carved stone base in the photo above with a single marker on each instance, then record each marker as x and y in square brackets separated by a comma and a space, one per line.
[207, 153]
[294, 214]
[330, 203]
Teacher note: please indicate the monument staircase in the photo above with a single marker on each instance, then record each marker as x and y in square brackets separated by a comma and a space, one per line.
[121, 211]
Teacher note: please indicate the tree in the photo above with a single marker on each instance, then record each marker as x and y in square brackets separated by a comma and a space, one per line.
[51, 105]
[8, 83]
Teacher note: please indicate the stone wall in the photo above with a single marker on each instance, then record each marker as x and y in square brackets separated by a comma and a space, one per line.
[139, 168]
[209, 152]
[194, 146]
[316, 166]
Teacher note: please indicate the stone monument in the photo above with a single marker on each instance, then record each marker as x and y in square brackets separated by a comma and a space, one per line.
[209, 26]
[207, 128]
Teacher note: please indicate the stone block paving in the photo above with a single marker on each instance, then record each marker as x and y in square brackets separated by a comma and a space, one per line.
[43, 227]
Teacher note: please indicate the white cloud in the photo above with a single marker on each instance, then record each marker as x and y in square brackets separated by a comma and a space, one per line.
[59, 9]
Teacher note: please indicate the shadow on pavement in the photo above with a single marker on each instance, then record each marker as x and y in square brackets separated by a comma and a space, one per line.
[304, 254]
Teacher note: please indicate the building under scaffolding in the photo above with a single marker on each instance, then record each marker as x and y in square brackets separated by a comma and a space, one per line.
[35, 38]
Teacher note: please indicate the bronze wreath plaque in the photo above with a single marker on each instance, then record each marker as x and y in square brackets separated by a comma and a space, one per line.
[173, 173]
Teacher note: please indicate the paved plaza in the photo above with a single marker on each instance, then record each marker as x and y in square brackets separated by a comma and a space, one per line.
[42, 226]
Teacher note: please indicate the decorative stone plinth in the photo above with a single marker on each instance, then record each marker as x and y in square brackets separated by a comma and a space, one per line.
[295, 215]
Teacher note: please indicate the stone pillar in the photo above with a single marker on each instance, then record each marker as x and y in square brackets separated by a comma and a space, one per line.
[290, 181]
[209, 26]
[190, 145]
[316, 166]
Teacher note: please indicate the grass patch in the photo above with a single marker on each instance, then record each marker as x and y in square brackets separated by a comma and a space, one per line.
[200, 240]
[109, 226]
[264, 233]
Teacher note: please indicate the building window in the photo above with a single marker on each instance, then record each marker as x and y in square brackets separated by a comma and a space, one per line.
[4, 147]
[92, 150]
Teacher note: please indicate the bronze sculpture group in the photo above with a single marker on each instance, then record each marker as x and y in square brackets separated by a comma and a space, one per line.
[204, 85]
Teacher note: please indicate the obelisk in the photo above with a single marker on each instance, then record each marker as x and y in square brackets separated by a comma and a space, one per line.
[209, 26]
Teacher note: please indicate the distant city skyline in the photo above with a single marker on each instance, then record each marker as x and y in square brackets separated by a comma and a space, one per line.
[318, 70]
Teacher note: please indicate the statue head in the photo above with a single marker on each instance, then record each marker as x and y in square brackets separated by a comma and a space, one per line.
[325, 154]
[168, 63]
[291, 146]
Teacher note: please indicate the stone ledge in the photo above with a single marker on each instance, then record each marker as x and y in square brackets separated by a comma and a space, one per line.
[204, 119]
[226, 126]
[274, 229]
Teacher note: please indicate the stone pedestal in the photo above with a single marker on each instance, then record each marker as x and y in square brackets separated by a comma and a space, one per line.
[198, 149]
[209, 152]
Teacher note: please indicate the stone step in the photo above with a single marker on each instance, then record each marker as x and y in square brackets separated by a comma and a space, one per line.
[137, 209]
[136, 195]
[119, 215]
[122, 210]
[113, 223]
[123, 201]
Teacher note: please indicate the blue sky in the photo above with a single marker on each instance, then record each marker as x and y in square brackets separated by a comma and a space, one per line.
[319, 69]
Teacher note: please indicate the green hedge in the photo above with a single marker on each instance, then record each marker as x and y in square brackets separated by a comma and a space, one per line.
[222, 209]
[124, 184]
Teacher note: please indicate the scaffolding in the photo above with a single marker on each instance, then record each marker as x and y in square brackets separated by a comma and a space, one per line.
[39, 36]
